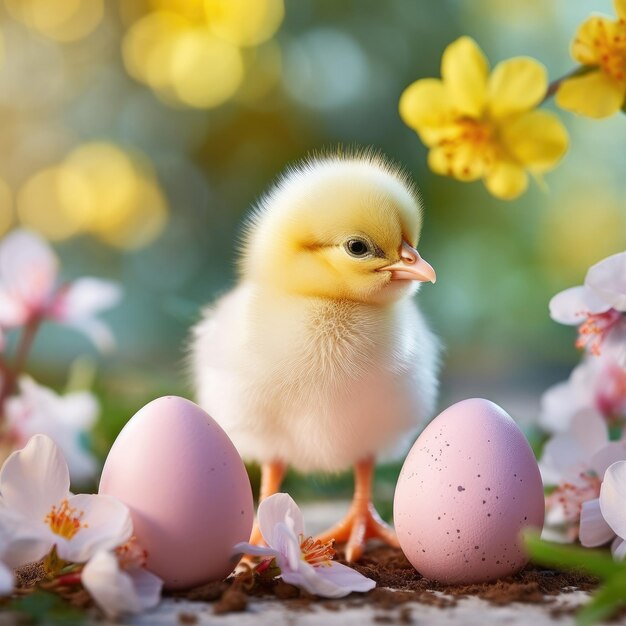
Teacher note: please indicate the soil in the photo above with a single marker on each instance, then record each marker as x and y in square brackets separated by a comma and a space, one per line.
[397, 584]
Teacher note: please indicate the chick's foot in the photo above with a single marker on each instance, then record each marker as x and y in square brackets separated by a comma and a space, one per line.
[272, 475]
[362, 521]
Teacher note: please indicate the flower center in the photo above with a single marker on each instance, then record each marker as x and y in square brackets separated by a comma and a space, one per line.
[593, 331]
[64, 520]
[611, 50]
[315, 552]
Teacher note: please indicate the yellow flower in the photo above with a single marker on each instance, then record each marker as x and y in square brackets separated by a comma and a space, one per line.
[481, 125]
[600, 46]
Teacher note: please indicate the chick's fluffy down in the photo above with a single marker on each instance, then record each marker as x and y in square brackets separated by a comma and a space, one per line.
[318, 382]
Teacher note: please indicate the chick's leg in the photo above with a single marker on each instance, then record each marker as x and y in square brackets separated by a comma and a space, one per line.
[362, 521]
[272, 475]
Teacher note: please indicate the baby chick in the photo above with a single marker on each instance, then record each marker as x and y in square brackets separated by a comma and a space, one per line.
[319, 358]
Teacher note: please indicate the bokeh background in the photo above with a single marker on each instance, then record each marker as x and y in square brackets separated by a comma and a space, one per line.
[136, 134]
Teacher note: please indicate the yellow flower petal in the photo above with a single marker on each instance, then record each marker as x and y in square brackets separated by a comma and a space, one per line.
[537, 139]
[459, 161]
[464, 71]
[594, 94]
[620, 9]
[506, 180]
[592, 38]
[516, 85]
[425, 103]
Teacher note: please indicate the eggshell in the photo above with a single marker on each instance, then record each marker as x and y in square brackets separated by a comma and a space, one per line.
[187, 490]
[467, 488]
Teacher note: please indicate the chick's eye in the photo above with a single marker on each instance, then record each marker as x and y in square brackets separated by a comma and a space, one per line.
[357, 247]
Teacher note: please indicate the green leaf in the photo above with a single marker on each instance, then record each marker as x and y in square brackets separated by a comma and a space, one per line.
[43, 607]
[605, 601]
[596, 562]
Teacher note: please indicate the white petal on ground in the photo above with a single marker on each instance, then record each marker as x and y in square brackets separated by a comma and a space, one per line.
[607, 280]
[575, 304]
[22, 541]
[112, 589]
[28, 269]
[594, 531]
[613, 497]
[346, 578]
[108, 525]
[35, 478]
[278, 509]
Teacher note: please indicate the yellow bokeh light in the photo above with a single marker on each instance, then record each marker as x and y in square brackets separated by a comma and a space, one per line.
[579, 231]
[147, 43]
[193, 9]
[142, 225]
[62, 20]
[205, 71]
[243, 22]
[112, 194]
[6, 207]
[39, 205]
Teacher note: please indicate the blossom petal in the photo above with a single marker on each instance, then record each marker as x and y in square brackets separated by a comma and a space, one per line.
[276, 509]
[594, 30]
[618, 549]
[594, 531]
[329, 581]
[28, 269]
[7, 579]
[108, 525]
[85, 297]
[506, 180]
[464, 70]
[148, 587]
[594, 94]
[110, 587]
[607, 455]
[537, 139]
[35, 478]
[247, 548]
[607, 279]
[23, 540]
[516, 85]
[346, 578]
[613, 497]
[572, 306]
[462, 162]
[425, 106]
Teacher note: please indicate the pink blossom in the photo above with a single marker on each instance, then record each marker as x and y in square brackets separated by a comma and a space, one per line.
[597, 307]
[30, 290]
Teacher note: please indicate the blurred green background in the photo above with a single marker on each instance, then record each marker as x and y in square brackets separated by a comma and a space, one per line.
[135, 135]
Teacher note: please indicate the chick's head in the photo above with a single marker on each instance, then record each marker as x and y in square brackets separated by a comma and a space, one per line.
[342, 228]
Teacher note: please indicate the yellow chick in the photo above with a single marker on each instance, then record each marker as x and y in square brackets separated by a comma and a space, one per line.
[319, 358]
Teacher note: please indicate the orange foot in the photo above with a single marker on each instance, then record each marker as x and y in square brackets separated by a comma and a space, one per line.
[272, 475]
[362, 521]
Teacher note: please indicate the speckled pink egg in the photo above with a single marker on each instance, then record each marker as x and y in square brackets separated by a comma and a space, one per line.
[469, 485]
[187, 490]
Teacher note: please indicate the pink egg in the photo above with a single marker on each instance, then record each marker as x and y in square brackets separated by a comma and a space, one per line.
[187, 490]
[469, 485]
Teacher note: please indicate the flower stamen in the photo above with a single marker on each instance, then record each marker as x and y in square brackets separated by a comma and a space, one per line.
[64, 520]
[593, 331]
[316, 553]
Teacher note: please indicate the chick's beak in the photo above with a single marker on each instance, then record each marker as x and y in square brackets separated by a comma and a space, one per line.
[411, 266]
